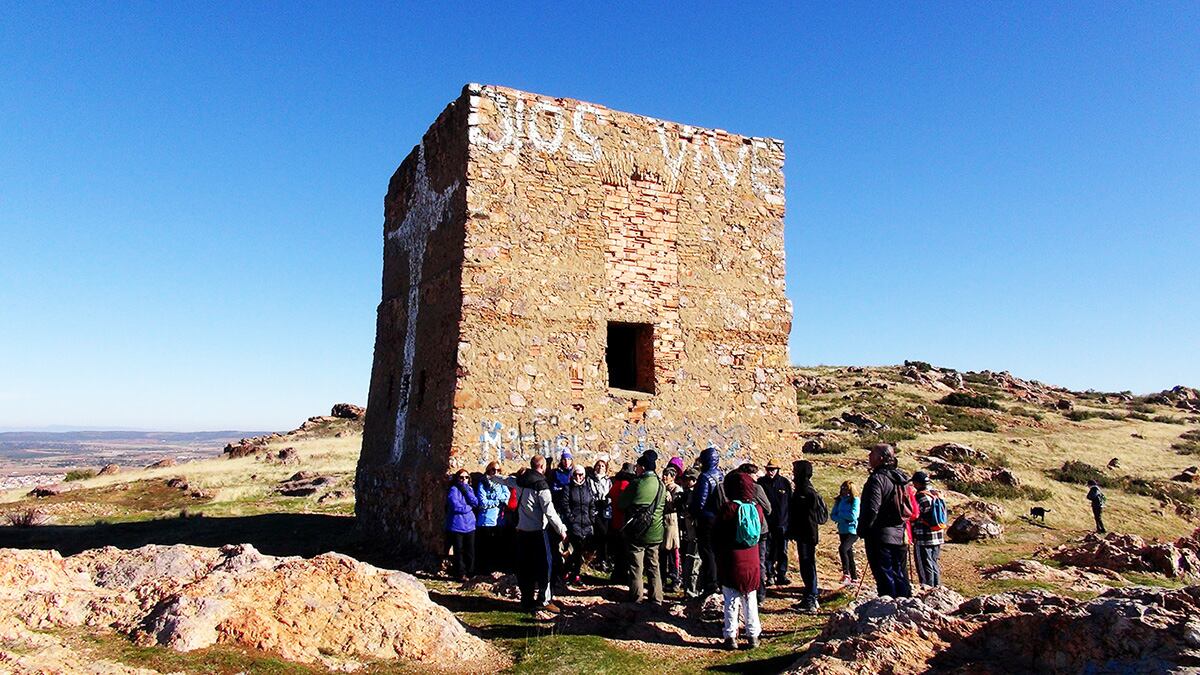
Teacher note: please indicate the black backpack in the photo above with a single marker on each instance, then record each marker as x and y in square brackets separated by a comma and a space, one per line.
[639, 518]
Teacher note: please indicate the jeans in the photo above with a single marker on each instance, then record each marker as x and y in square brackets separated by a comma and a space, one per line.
[743, 606]
[807, 554]
[888, 566]
[846, 553]
[533, 567]
[708, 558]
[777, 557]
[929, 568]
[646, 554]
[464, 553]
[1098, 514]
[669, 564]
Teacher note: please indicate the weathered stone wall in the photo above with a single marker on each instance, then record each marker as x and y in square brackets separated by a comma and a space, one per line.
[567, 216]
[407, 428]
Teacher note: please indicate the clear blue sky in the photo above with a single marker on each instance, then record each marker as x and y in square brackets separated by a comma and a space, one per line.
[191, 193]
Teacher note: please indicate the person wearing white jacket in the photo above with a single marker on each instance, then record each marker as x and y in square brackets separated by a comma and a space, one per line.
[536, 517]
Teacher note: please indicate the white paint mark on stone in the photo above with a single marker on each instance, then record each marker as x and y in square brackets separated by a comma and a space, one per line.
[674, 164]
[730, 171]
[552, 145]
[591, 139]
[427, 208]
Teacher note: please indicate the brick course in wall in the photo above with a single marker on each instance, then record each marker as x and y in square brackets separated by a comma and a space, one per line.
[513, 234]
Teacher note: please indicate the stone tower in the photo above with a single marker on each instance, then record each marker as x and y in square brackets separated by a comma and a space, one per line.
[561, 276]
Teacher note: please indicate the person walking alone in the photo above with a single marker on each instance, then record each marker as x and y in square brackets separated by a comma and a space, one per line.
[461, 503]
[735, 532]
[808, 513]
[883, 522]
[845, 514]
[1096, 497]
[642, 504]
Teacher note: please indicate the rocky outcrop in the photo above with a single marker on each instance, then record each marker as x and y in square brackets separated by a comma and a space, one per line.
[330, 609]
[940, 469]
[970, 527]
[48, 490]
[247, 447]
[162, 463]
[108, 470]
[1074, 578]
[956, 452]
[303, 484]
[1131, 553]
[980, 507]
[1124, 630]
[348, 411]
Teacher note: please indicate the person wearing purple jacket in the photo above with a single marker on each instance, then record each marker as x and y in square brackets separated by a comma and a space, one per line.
[461, 503]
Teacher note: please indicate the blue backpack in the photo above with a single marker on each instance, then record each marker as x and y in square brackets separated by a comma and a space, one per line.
[937, 514]
[749, 529]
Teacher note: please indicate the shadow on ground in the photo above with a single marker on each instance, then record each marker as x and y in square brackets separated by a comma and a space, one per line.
[280, 534]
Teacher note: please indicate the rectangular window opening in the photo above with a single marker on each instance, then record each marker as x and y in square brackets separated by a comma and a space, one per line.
[629, 354]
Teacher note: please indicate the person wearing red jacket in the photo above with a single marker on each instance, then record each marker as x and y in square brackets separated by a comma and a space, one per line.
[739, 568]
[617, 545]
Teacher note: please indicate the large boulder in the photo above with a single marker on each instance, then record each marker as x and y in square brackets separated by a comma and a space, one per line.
[330, 610]
[1131, 553]
[1125, 630]
[348, 411]
[970, 527]
[108, 470]
[956, 452]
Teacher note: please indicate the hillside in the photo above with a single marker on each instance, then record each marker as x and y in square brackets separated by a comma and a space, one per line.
[292, 494]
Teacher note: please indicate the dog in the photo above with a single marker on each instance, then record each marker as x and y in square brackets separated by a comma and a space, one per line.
[1039, 512]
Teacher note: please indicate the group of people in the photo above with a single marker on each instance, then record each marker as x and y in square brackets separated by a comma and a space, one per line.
[697, 529]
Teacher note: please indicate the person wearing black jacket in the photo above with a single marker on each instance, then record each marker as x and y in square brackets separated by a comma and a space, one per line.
[807, 514]
[882, 526]
[576, 503]
[779, 494]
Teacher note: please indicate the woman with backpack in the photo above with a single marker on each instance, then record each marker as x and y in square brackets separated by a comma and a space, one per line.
[845, 514]
[736, 531]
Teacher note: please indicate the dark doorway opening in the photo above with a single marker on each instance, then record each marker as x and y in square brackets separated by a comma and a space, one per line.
[629, 354]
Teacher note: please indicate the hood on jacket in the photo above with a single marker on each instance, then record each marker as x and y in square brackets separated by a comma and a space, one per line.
[709, 458]
[532, 480]
[739, 486]
[802, 470]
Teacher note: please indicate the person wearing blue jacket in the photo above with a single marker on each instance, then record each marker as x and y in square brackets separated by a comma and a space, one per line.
[493, 496]
[461, 503]
[845, 514]
[705, 502]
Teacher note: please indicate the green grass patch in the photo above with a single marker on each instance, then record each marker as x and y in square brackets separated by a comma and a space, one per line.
[79, 474]
[1073, 471]
[962, 399]
[960, 420]
[1082, 415]
[996, 490]
[576, 653]
[1167, 419]
[830, 447]
[1186, 447]
[1144, 408]
[1026, 412]
[218, 659]
[890, 436]
[1081, 473]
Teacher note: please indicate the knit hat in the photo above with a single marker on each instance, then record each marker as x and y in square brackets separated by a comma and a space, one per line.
[648, 460]
[566, 455]
[676, 462]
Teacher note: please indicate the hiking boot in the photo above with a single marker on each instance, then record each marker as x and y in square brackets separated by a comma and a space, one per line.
[783, 581]
[753, 642]
[731, 644]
